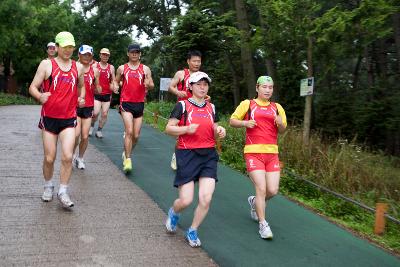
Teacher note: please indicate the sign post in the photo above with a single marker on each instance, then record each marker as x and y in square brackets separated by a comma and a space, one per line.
[164, 84]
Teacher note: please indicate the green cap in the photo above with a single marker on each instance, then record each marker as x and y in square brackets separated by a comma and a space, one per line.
[65, 39]
[264, 80]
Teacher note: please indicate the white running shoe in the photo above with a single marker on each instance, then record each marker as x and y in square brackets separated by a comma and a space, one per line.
[99, 134]
[173, 162]
[123, 156]
[91, 131]
[253, 213]
[65, 200]
[265, 231]
[80, 163]
[48, 193]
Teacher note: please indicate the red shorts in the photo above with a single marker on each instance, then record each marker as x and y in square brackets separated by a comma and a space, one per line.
[262, 161]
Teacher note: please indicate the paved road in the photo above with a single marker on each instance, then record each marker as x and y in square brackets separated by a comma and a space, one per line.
[114, 223]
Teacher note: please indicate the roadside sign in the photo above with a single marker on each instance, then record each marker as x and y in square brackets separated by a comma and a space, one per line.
[164, 83]
[307, 86]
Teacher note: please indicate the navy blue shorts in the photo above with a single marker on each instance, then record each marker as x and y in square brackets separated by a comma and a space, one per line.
[85, 112]
[103, 98]
[135, 108]
[55, 126]
[195, 163]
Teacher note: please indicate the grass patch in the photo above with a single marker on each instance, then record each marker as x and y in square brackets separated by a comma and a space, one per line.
[9, 99]
[342, 166]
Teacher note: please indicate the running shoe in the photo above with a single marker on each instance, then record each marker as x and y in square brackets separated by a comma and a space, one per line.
[253, 213]
[173, 162]
[75, 161]
[48, 193]
[99, 134]
[192, 238]
[65, 200]
[172, 221]
[127, 165]
[91, 131]
[265, 230]
[80, 163]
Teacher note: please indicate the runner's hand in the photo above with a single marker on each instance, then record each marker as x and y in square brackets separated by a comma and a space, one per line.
[44, 97]
[81, 102]
[250, 123]
[181, 94]
[208, 98]
[192, 128]
[221, 132]
[278, 120]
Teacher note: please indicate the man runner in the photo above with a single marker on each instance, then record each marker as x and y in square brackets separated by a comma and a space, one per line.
[85, 114]
[136, 80]
[63, 89]
[102, 101]
[51, 50]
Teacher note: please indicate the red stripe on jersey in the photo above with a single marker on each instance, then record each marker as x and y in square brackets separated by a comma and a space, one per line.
[104, 79]
[204, 136]
[184, 85]
[89, 86]
[133, 89]
[266, 131]
[63, 86]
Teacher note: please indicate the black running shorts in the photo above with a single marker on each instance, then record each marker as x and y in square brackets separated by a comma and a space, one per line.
[85, 112]
[55, 126]
[136, 108]
[193, 164]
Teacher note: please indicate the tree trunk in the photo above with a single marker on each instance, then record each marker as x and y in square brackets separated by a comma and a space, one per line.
[236, 83]
[271, 70]
[245, 50]
[308, 105]
[396, 33]
[370, 69]
[356, 73]
[381, 59]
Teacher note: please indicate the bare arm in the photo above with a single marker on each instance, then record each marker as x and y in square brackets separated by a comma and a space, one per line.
[113, 83]
[81, 86]
[173, 129]
[97, 81]
[148, 80]
[235, 123]
[118, 77]
[173, 86]
[43, 71]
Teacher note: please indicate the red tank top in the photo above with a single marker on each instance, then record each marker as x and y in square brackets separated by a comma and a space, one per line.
[89, 86]
[133, 89]
[184, 85]
[105, 78]
[266, 131]
[63, 87]
[204, 116]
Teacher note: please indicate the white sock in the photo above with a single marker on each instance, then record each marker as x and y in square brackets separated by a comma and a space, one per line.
[263, 222]
[62, 189]
[48, 183]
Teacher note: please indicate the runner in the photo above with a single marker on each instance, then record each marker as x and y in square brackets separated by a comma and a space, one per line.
[194, 122]
[63, 79]
[179, 83]
[263, 120]
[51, 50]
[102, 101]
[85, 114]
[136, 79]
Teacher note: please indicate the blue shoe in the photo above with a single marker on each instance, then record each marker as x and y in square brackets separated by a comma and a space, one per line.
[192, 238]
[172, 221]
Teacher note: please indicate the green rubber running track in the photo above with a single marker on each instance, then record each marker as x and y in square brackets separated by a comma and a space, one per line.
[228, 235]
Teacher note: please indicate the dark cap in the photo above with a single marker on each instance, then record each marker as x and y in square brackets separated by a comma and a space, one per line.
[133, 47]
